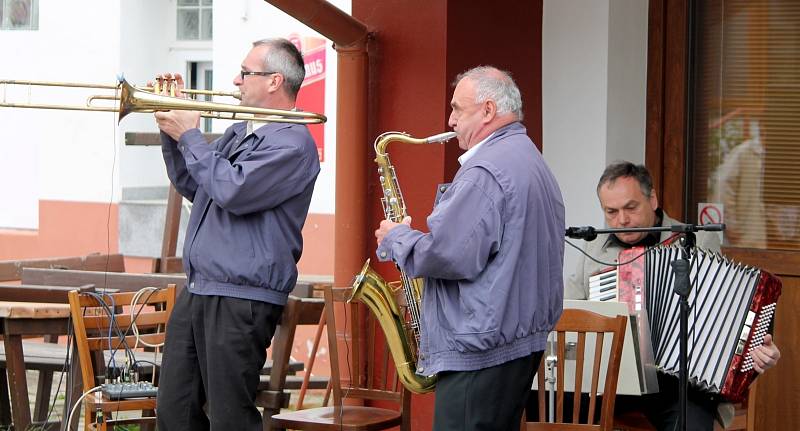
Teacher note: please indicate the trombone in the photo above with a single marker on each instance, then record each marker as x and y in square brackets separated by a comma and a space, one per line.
[144, 100]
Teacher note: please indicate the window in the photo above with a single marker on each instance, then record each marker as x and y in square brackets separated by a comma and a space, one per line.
[194, 19]
[200, 76]
[19, 14]
[746, 152]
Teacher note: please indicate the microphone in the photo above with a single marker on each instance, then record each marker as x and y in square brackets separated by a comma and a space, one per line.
[684, 228]
[581, 232]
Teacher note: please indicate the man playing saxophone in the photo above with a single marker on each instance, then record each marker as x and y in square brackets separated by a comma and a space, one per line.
[492, 261]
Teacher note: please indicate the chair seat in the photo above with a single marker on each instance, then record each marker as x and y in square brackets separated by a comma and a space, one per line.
[354, 418]
[632, 421]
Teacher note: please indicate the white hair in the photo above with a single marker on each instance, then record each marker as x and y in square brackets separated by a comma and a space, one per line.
[495, 84]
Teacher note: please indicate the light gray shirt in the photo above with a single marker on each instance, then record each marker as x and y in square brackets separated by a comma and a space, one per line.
[604, 249]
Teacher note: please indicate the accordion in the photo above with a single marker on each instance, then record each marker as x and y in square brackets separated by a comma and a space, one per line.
[731, 310]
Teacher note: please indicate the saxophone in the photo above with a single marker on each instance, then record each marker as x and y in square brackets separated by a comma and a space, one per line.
[401, 327]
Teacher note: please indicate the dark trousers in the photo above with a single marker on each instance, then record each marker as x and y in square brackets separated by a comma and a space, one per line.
[214, 352]
[487, 399]
[663, 408]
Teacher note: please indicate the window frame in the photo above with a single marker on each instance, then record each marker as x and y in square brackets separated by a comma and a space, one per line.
[33, 16]
[202, 6]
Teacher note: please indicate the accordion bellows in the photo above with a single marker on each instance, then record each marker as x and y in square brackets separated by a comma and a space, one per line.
[731, 309]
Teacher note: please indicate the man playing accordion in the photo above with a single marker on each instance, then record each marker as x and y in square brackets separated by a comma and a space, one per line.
[627, 198]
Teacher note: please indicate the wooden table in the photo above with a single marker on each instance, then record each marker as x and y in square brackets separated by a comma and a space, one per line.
[27, 318]
[20, 319]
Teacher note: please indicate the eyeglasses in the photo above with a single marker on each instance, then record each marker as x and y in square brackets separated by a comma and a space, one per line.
[244, 73]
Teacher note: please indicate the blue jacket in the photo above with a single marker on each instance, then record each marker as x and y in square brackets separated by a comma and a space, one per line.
[492, 260]
[250, 199]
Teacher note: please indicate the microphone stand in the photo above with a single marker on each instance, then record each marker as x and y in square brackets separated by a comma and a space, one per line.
[682, 287]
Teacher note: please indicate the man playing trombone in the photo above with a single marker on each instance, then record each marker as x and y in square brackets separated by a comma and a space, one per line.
[251, 190]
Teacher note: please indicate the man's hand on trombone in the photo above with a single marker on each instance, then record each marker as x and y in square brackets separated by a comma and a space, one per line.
[174, 123]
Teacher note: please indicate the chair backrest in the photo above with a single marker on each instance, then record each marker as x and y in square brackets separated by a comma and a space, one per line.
[104, 330]
[583, 322]
[368, 371]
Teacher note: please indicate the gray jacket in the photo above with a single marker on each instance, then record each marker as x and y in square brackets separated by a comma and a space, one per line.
[492, 260]
[251, 196]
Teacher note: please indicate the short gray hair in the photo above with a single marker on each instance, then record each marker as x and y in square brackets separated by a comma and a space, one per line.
[495, 84]
[284, 57]
[626, 169]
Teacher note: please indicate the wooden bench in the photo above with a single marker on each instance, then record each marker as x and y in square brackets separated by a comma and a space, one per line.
[45, 357]
[11, 270]
[39, 293]
[272, 395]
[121, 281]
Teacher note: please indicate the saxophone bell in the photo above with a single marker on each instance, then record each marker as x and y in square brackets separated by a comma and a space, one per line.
[379, 296]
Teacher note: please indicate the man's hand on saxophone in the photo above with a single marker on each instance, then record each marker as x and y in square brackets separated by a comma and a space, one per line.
[387, 225]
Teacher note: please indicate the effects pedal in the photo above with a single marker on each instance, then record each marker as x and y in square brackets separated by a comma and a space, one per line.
[121, 391]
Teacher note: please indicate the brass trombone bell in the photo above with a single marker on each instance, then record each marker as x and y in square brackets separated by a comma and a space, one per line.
[143, 100]
[133, 99]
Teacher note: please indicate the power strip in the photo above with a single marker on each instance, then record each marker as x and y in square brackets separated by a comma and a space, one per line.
[121, 391]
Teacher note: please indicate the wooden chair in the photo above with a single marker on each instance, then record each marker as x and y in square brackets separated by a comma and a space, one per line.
[113, 279]
[362, 382]
[272, 395]
[632, 421]
[95, 347]
[583, 322]
[744, 418]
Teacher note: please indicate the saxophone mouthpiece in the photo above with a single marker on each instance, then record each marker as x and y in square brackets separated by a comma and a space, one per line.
[441, 137]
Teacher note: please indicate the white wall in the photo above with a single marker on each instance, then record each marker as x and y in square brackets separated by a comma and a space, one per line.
[147, 42]
[627, 80]
[246, 21]
[593, 97]
[58, 155]
[81, 156]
